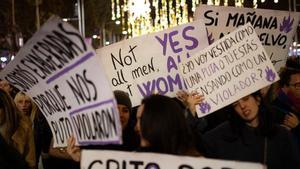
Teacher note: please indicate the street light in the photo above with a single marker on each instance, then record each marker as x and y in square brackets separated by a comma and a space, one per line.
[81, 23]
[69, 19]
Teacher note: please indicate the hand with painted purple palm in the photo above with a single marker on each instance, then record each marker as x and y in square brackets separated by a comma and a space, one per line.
[204, 107]
[270, 75]
[286, 25]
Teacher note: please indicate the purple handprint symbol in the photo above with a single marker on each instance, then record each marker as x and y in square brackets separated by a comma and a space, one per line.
[270, 75]
[210, 37]
[286, 25]
[204, 107]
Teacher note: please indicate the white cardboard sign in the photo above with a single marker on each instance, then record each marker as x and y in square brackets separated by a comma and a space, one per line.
[275, 28]
[149, 64]
[229, 69]
[61, 74]
[101, 159]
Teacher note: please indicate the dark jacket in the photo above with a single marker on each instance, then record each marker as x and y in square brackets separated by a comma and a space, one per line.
[282, 106]
[10, 158]
[279, 149]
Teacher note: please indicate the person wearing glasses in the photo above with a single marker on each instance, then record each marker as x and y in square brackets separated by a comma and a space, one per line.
[287, 102]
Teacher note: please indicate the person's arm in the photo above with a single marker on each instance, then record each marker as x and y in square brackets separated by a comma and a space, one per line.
[191, 100]
[73, 150]
[197, 125]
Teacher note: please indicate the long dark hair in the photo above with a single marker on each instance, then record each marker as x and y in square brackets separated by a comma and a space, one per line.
[9, 113]
[266, 125]
[164, 126]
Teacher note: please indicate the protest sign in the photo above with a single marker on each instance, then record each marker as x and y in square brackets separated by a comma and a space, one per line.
[148, 64]
[92, 159]
[274, 28]
[229, 69]
[59, 71]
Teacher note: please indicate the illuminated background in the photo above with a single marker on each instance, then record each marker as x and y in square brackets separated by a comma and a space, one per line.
[109, 21]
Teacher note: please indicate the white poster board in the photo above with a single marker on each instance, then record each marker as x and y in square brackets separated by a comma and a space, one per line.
[149, 64]
[61, 74]
[275, 28]
[101, 159]
[229, 69]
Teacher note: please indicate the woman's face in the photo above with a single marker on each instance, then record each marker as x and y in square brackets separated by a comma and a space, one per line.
[295, 80]
[139, 114]
[247, 108]
[4, 85]
[124, 115]
[23, 103]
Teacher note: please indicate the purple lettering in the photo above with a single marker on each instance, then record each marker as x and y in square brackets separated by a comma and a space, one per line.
[147, 88]
[163, 42]
[162, 85]
[171, 64]
[173, 44]
[190, 38]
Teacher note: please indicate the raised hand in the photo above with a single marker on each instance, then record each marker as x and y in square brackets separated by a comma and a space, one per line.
[73, 150]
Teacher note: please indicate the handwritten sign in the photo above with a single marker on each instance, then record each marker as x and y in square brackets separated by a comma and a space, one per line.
[92, 159]
[228, 70]
[149, 64]
[60, 73]
[274, 28]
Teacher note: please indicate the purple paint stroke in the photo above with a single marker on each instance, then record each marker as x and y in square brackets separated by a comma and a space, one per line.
[210, 37]
[270, 75]
[99, 142]
[68, 68]
[286, 25]
[92, 106]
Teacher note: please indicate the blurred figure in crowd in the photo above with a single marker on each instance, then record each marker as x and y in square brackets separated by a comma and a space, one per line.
[28, 108]
[287, 102]
[4, 85]
[26, 105]
[10, 158]
[163, 128]
[16, 129]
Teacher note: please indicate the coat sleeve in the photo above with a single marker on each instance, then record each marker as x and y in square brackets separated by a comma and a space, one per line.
[291, 154]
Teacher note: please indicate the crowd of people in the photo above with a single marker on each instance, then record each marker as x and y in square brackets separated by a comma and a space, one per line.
[262, 127]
